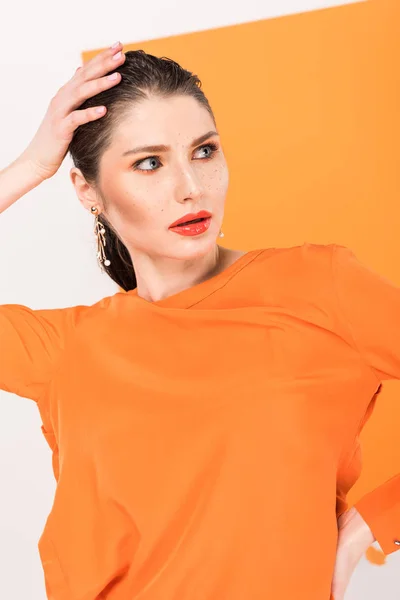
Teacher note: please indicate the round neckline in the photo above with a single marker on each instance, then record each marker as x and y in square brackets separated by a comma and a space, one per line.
[197, 292]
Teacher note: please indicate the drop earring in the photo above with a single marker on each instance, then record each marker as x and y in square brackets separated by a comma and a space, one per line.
[221, 235]
[99, 232]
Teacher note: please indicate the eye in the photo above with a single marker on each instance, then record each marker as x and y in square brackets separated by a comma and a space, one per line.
[150, 160]
[153, 160]
[213, 148]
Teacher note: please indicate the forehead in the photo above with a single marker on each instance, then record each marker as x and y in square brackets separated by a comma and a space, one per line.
[158, 120]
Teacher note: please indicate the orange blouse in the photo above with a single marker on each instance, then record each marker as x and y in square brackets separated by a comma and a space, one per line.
[203, 445]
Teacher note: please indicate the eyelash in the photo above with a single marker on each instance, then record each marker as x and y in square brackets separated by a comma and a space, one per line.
[211, 145]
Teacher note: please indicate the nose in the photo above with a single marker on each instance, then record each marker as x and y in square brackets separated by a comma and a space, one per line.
[189, 186]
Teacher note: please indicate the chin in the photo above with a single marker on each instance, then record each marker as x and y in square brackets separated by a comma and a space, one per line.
[196, 248]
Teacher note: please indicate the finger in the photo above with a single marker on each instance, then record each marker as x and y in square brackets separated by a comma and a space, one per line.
[80, 117]
[95, 67]
[86, 90]
[102, 63]
[88, 81]
[92, 88]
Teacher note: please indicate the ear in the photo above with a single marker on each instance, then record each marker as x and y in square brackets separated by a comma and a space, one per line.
[86, 193]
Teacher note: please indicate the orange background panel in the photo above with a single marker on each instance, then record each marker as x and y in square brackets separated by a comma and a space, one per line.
[308, 110]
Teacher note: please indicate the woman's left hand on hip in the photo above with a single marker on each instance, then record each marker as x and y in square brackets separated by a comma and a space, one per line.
[354, 538]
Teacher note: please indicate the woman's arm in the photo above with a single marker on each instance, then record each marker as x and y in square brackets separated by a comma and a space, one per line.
[16, 180]
[370, 306]
[46, 152]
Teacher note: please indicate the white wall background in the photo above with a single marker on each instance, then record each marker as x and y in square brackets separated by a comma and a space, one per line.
[47, 252]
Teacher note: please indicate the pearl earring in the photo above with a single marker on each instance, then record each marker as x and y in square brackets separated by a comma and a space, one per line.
[99, 232]
[221, 235]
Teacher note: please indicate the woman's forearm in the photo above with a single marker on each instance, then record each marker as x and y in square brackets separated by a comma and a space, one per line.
[16, 180]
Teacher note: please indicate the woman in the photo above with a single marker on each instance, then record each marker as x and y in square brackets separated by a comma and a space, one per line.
[205, 422]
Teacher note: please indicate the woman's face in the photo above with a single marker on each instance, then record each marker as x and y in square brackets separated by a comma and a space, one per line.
[144, 192]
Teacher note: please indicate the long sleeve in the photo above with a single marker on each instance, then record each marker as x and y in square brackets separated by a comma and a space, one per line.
[30, 344]
[370, 305]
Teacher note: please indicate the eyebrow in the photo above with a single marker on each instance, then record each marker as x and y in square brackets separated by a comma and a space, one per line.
[163, 148]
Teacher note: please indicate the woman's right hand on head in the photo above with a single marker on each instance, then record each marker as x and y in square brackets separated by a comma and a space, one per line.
[49, 146]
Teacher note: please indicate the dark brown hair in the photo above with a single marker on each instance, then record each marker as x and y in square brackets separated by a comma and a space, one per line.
[143, 75]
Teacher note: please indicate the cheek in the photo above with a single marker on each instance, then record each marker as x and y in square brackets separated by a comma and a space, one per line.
[218, 182]
[128, 213]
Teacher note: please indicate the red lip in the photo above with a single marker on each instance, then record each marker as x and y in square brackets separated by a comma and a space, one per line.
[191, 216]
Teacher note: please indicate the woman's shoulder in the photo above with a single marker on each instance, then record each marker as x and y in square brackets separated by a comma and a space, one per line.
[305, 255]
